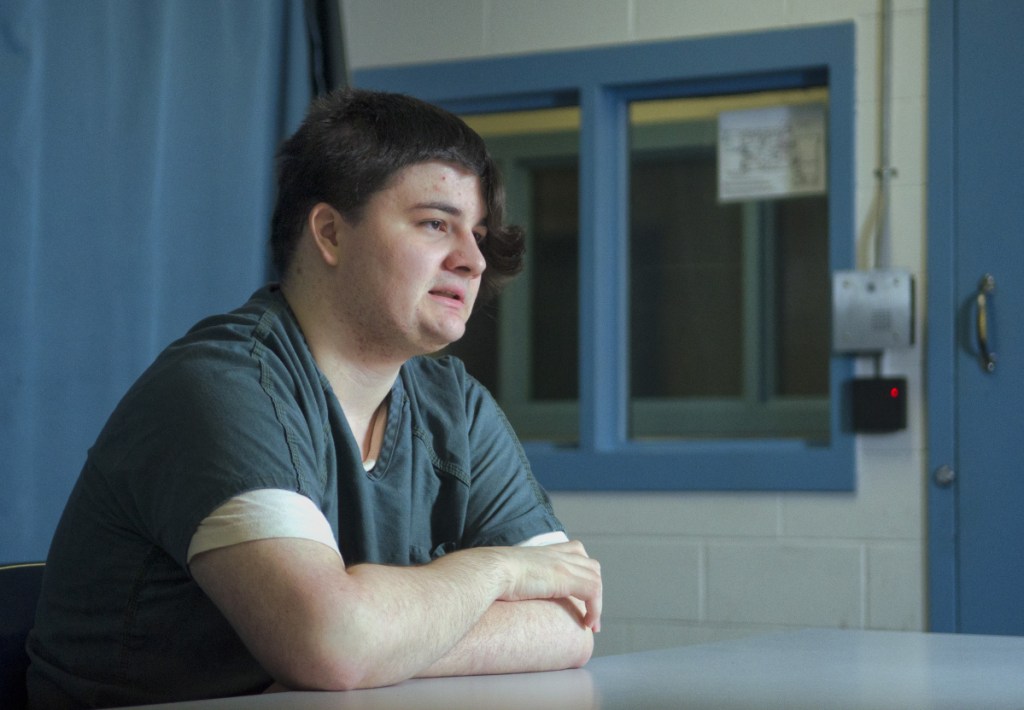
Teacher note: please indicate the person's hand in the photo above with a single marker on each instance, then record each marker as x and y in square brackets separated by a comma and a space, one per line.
[557, 571]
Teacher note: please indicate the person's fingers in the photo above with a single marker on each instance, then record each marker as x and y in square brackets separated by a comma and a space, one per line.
[556, 571]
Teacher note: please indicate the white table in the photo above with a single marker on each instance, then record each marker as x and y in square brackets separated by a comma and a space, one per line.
[791, 670]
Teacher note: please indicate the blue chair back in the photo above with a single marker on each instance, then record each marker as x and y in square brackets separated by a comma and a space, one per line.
[19, 595]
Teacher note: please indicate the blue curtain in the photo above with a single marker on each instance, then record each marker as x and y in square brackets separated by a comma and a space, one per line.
[136, 184]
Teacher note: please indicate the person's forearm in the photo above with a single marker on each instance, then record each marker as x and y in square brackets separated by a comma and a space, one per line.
[463, 629]
[404, 635]
[515, 637]
[312, 623]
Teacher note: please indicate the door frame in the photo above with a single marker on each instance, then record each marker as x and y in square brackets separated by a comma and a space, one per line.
[941, 354]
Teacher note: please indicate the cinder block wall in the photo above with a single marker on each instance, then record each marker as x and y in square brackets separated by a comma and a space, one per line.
[693, 567]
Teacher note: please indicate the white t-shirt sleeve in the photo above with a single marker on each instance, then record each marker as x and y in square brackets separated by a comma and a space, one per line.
[277, 513]
[260, 515]
[548, 538]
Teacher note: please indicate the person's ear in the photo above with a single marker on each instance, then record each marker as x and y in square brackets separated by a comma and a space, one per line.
[325, 224]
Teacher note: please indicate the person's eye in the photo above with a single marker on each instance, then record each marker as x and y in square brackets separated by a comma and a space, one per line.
[480, 237]
[434, 224]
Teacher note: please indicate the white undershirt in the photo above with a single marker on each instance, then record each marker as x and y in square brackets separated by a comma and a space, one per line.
[277, 513]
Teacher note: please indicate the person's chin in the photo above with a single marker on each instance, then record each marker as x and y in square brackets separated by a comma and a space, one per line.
[444, 337]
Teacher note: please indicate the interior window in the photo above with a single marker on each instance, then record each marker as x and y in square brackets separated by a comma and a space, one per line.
[728, 328]
[685, 203]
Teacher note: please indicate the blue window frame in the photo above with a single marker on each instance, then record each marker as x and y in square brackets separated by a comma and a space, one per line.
[602, 82]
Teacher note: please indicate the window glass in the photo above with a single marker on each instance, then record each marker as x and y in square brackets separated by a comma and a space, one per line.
[554, 283]
[800, 312]
[525, 347]
[729, 298]
[686, 278]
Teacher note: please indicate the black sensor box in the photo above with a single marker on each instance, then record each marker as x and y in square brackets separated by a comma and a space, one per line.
[880, 404]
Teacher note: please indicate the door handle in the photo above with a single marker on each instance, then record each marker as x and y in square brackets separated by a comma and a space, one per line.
[988, 358]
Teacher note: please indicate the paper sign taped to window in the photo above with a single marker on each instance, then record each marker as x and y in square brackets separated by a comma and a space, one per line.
[772, 152]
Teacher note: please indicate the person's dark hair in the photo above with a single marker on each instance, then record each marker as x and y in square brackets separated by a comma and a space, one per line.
[350, 145]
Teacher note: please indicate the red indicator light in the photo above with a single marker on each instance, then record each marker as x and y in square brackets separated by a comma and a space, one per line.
[894, 392]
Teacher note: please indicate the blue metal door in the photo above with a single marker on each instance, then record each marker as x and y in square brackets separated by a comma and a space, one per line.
[977, 436]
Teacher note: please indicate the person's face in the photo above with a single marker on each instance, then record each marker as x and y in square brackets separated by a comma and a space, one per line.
[409, 270]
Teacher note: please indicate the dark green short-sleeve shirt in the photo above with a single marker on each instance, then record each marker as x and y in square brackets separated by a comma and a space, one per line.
[238, 404]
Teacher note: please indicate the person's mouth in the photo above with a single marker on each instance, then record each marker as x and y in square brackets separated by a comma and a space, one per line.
[450, 293]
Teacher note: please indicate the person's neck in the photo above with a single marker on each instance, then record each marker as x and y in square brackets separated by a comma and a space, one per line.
[361, 380]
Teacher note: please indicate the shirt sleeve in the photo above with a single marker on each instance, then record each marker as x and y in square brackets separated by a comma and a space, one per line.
[260, 515]
[507, 504]
[551, 538]
[210, 421]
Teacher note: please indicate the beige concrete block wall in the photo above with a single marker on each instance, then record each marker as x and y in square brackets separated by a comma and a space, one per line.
[694, 567]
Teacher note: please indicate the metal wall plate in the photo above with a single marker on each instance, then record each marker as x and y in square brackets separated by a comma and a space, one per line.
[872, 310]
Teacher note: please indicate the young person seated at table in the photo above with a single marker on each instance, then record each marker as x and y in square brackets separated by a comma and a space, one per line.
[295, 494]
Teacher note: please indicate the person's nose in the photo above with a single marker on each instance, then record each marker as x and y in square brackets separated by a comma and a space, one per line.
[465, 255]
